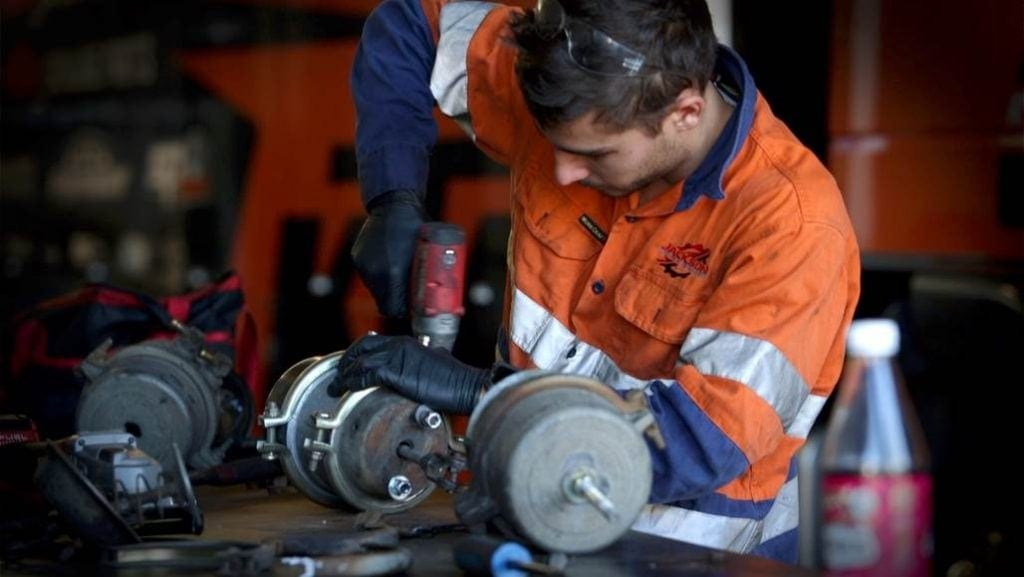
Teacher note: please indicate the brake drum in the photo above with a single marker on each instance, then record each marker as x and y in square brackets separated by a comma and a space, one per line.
[558, 460]
[361, 450]
[165, 393]
[343, 452]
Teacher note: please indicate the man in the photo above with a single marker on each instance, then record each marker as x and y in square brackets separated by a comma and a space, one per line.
[668, 233]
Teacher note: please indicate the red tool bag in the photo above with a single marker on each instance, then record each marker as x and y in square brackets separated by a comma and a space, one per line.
[47, 342]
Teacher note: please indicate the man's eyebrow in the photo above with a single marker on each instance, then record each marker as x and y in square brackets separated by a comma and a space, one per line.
[594, 152]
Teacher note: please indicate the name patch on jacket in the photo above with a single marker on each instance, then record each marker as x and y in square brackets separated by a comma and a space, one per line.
[594, 230]
[682, 261]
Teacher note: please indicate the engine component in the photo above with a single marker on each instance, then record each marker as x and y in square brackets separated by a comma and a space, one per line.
[166, 394]
[111, 492]
[344, 452]
[557, 460]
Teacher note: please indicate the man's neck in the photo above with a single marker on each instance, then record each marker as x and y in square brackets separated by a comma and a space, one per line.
[716, 115]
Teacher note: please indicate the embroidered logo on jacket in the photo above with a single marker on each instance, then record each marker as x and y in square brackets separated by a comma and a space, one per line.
[682, 261]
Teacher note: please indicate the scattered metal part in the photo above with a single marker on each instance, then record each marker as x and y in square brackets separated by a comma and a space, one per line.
[557, 460]
[373, 521]
[111, 492]
[79, 502]
[164, 393]
[308, 565]
[327, 543]
[113, 462]
[373, 552]
[368, 564]
[224, 557]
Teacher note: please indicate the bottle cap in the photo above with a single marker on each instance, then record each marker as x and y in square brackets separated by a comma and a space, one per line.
[873, 338]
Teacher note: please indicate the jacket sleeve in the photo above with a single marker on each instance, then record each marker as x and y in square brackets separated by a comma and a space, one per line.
[390, 84]
[414, 53]
[756, 369]
[474, 80]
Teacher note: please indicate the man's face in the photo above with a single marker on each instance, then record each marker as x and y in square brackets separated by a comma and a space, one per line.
[613, 162]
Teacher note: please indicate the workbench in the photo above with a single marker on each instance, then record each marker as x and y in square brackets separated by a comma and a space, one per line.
[258, 515]
[235, 513]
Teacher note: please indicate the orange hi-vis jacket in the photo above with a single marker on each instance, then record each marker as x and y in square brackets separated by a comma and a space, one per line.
[727, 299]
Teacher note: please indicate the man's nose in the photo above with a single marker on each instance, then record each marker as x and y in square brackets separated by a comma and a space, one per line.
[569, 168]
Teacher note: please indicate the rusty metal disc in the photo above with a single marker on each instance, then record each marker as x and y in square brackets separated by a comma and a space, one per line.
[363, 464]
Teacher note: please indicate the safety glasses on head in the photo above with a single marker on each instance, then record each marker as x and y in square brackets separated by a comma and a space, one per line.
[588, 47]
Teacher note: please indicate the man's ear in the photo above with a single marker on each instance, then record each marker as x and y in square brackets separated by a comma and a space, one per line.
[687, 110]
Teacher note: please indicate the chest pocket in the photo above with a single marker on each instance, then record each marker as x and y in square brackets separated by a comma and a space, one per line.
[655, 306]
[552, 218]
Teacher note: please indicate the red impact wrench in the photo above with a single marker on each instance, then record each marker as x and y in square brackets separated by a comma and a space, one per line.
[436, 285]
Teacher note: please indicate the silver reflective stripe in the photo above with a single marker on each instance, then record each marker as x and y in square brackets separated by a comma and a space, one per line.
[448, 82]
[754, 362]
[785, 512]
[717, 531]
[549, 343]
[721, 531]
[553, 347]
[805, 417]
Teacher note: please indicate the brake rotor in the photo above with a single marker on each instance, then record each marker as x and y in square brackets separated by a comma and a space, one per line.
[556, 460]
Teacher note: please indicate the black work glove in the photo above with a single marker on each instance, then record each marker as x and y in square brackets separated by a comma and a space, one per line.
[383, 251]
[426, 375]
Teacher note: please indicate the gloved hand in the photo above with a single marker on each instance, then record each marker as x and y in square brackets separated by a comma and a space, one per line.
[384, 248]
[426, 375]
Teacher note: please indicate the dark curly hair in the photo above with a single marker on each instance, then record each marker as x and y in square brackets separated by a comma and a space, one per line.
[676, 37]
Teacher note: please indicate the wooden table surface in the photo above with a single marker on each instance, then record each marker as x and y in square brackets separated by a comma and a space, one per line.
[256, 515]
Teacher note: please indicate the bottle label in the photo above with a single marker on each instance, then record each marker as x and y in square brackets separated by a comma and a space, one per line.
[877, 525]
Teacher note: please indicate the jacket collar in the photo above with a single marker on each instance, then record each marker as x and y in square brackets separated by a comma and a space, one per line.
[731, 74]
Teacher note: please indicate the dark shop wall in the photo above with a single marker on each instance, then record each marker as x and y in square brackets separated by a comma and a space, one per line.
[118, 164]
[165, 143]
[786, 47]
